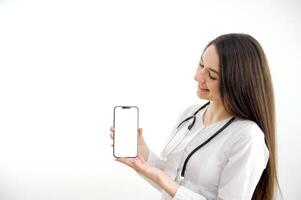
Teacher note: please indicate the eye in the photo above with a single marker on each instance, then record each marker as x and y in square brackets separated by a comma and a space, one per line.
[209, 73]
[211, 77]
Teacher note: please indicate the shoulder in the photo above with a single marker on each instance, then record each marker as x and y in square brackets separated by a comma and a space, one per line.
[248, 127]
[246, 132]
[248, 142]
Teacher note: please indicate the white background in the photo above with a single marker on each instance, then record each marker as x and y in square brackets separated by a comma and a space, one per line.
[65, 64]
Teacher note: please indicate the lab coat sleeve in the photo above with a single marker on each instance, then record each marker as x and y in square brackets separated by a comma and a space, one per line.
[154, 161]
[248, 159]
[184, 193]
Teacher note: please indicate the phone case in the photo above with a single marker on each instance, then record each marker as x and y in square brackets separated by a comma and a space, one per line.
[114, 116]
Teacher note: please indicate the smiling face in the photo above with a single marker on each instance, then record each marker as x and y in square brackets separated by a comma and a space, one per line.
[208, 76]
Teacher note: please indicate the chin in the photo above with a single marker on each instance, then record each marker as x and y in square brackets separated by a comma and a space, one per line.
[202, 96]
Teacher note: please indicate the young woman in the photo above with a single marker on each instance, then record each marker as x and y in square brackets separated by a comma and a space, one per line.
[224, 149]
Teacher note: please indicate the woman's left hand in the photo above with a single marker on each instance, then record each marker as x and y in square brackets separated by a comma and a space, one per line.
[153, 173]
[142, 167]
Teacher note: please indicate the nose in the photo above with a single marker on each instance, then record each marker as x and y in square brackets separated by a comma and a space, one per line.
[200, 75]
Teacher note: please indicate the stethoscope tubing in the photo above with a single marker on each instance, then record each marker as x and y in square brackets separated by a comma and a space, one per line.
[178, 129]
[203, 144]
[164, 153]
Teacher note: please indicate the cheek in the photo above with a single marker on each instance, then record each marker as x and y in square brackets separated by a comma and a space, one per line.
[214, 88]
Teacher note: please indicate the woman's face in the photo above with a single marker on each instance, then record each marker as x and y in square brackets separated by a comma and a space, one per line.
[207, 75]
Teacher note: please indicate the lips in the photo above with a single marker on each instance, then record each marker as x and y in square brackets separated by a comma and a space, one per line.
[203, 89]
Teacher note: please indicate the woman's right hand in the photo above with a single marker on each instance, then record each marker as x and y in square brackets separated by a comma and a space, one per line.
[143, 150]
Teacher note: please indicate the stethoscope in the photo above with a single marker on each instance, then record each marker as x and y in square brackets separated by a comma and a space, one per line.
[189, 127]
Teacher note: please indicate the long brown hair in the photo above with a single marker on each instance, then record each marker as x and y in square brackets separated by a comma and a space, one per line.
[247, 92]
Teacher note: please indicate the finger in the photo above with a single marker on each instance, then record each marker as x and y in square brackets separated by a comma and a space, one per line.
[112, 132]
[141, 158]
[138, 164]
[140, 136]
[137, 160]
[126, 161]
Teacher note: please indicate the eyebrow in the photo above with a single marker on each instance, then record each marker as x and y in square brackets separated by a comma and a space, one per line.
[213, 70]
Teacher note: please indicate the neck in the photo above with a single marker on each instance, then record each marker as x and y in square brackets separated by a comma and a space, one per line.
[215, 112]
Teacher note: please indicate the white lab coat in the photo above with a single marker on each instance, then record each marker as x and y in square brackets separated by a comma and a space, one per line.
[227, 168]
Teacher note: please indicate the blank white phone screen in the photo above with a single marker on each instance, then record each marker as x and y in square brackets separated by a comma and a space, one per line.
[126, 131]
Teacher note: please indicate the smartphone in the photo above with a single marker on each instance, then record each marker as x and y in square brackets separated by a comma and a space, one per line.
[125, 123]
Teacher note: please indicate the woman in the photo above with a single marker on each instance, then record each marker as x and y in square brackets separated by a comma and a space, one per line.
[226, 148]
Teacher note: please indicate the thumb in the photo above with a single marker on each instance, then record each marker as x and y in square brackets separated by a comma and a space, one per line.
[140, 134]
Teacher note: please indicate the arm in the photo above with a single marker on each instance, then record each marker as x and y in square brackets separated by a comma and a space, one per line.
[152, 170]
[238, 180]
[153, 160]
[163, 182]
[157, 176]
[160, 180]
[248, 159]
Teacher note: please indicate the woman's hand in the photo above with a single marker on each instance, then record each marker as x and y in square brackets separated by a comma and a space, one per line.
[140, 165]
